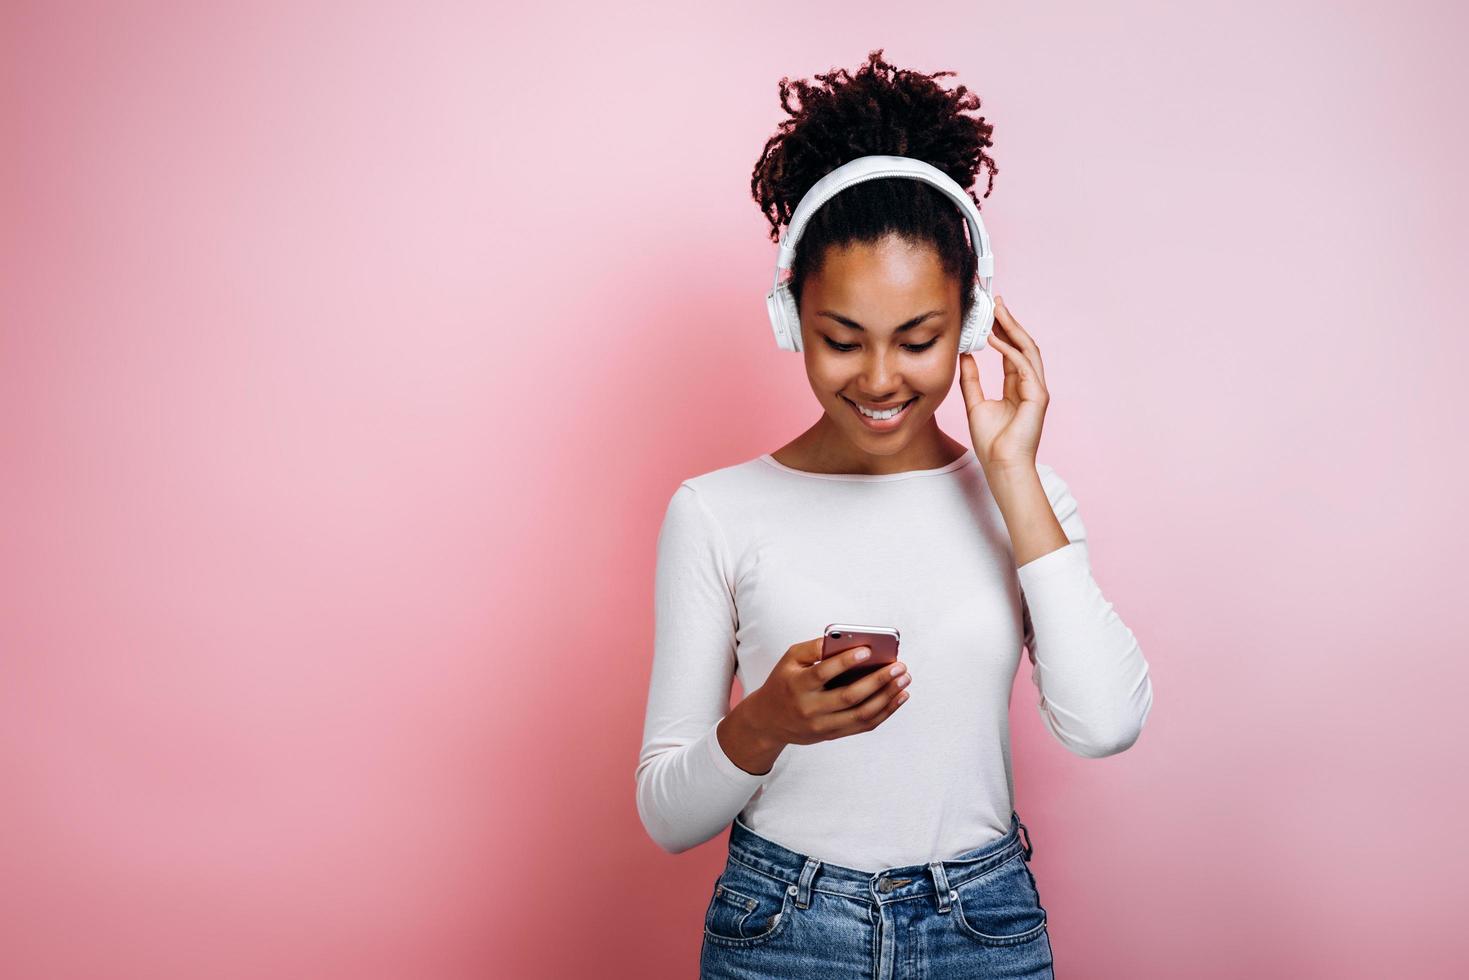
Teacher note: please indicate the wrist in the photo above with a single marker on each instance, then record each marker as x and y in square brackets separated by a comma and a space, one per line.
[745, 741]
[1007, 475]
[1026, 509]
[756, 731]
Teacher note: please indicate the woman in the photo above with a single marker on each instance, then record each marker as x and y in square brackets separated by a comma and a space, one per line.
[872, 826]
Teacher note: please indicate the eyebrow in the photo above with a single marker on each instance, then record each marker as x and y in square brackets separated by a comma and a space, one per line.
[848, 322]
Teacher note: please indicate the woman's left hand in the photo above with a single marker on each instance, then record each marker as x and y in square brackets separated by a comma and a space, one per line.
[1007, 431]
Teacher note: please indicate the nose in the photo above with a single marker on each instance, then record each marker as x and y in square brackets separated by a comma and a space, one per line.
[878, 380]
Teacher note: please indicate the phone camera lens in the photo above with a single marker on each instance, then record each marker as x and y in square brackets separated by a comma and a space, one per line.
[837, 635]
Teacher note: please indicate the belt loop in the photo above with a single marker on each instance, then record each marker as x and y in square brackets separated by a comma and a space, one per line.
[803, 890]
[941, 885]
[1026, 832]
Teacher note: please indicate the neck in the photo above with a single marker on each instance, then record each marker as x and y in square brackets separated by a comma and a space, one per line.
[824, 448]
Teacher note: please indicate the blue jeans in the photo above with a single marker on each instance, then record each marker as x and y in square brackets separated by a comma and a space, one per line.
[776, 913]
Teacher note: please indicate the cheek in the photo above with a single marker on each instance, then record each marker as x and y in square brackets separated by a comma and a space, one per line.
[933, 379]
[827, 376]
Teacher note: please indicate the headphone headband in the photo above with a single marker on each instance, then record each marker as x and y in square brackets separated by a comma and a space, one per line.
[872, 167]
[782, 306]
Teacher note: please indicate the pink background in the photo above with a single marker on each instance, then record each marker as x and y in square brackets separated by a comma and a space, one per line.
[349, 356]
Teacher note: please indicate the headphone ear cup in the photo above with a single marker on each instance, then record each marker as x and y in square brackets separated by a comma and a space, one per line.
[784, 319]
[977, 325]
[777, 318]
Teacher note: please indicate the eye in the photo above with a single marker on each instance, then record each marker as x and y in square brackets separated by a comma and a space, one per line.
[911, 348]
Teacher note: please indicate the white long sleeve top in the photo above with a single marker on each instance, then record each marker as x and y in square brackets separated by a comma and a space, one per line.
[755, 557]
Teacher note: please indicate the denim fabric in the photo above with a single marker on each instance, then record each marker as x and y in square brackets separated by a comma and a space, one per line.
[776, 913]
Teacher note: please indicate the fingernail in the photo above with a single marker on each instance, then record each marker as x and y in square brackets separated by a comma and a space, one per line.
[862, 653]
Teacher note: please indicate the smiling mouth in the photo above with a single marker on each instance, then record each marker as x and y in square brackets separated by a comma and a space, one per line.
[899, 411]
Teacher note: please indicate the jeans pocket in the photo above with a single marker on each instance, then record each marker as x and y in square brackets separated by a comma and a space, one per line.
[747, 908]
[1001, 907]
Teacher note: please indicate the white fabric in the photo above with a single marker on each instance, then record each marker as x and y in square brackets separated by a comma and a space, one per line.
[755, 557]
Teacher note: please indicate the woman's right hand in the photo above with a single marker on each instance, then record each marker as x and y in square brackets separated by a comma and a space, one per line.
[792, 707]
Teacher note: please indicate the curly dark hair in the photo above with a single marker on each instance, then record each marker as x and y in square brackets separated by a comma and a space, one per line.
[878, 110]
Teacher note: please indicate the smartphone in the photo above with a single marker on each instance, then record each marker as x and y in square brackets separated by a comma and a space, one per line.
[844, 636]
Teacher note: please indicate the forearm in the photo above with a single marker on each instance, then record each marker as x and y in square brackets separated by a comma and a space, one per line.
[1087, 665]
[688, 792]
[1034, 530]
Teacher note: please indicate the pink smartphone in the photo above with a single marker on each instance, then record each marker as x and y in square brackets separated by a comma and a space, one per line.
[844, 636]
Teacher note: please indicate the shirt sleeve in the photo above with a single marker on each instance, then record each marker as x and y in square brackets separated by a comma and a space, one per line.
[1095, 692]
[688, 790]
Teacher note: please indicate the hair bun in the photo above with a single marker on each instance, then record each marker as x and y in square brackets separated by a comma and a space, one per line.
[879, 109]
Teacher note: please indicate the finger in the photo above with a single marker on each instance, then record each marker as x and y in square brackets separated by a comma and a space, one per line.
[832, 666]
[872, 712]
[1011, 360]
[1024, 372]
[1018, 338]
[1007, 338]
[969, 380]
[861, 689]
[806, 652]
[1012, 375]
[897, 702]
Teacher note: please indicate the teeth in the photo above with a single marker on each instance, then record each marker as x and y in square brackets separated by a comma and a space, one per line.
[882, 415]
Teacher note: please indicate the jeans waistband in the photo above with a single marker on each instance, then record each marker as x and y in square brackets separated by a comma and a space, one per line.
[803, 873]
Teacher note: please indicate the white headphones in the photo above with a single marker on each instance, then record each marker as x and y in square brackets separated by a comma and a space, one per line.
[780, 302]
